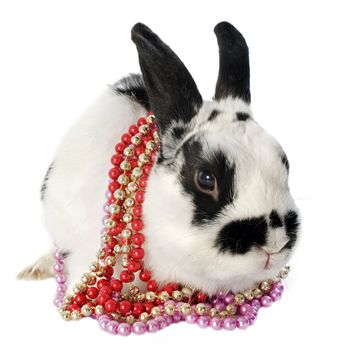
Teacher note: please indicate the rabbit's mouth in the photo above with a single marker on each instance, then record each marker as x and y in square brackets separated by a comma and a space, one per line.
[271, 254]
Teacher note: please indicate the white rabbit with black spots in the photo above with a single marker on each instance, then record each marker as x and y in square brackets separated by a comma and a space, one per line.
[217, 211]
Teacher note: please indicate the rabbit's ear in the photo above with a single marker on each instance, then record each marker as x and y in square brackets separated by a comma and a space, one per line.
[234, 72]
[172, 91]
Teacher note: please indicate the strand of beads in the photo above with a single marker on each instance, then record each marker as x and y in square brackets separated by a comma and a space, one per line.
[223, 311]
[110, 296]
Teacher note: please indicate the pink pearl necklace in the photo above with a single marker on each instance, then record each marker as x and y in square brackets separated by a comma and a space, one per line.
[101, 296]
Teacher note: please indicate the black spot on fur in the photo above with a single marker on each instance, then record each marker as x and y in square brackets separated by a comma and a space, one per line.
[178, 132]
[206, 207]
[292, 224]
[241, 116]
[161, 158]
[44, 184]
[172, 92]
[213, 115]
[291, 221]
[285, 160]
[234, 71]
[239, 236]
[65, 254]
[275, 220]
[134, 87]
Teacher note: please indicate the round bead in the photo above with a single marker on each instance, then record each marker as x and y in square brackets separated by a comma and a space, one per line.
[112, 327]
[144, 129]
[133, 130]
[75, 315]
[200, 308]
[123, 179]
[127, 217]
[114, 173]
[155, 311]
[126, 276]
[137, 225]
[185, 308]
[102, 283]
[229, 323]
[255, 303]
[169, 309]
[265, 286]
[136, 139]
[126, 138]
[161, 321]
[243, 309]
[242, 322]
[114, 208]
[191, 318]
[275, 295]
[129, 202]
[128, 151]
[239, 299]
[143, 158]
[106, 290]
[116, 159]
[220, 306]
[99, 310]
[248, 294]
[137, 172]
[150, 296]
[124, 329]
[109, 223]
[126, 233]
[203, 321]
[139, 196]
[177, 317]
[133, 266]
[266, 301]
[92, 292]
[80, 299]
[119, 147]
[257, 293]
[111, 306]
[132, 186]
[229, 298]
[119, 194]
[125, 306]
[102, 299]
[60, 278]
[141, 121]
[138, 239]
[216, 323]
[138, 254]
[202, 297]
[125, 248]
[152, 285]
[86, 310]
[231, 309]
[58, 267]
[139, 328]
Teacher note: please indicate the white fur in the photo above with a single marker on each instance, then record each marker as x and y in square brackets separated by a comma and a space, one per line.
[77, 184]
[178, 251]
[174, 249]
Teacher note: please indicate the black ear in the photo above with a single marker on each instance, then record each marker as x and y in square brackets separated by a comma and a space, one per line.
[173, 94]
[234, 72]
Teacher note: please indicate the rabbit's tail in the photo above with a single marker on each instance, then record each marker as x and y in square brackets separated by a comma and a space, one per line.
[41, 269]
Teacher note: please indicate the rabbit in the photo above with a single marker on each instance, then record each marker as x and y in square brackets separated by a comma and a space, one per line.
[218, 213]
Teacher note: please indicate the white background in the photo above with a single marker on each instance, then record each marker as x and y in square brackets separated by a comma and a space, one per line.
[56, 56]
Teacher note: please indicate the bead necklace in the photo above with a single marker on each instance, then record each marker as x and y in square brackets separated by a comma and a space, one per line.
[118, 304]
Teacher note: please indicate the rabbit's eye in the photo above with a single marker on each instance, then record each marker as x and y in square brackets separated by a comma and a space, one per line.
[205, 181]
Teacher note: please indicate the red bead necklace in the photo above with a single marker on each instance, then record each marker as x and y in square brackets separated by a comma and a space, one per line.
[120, 306]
